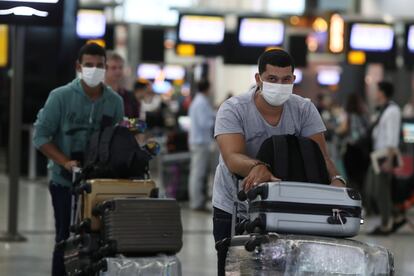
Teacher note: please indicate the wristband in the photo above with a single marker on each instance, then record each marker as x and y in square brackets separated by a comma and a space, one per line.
[260, 163]
[340, 178]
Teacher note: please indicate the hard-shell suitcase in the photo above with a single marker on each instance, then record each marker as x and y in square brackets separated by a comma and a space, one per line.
[160, 265]
[98, 190]
[304, 208]
[141, 226]
[293, 255]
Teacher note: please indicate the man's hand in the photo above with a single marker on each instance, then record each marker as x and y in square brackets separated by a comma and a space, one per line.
[69, 165]
[338, 183]
[258, 174]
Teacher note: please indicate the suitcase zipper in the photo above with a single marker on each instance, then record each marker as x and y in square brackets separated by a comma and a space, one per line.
[304, 208]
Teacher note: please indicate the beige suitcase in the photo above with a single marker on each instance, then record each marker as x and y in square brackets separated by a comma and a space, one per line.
[98, 190]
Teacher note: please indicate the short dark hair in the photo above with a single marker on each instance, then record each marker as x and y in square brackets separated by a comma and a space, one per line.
[387, 88]
[203, 86]
[275, 57]
[91, 49]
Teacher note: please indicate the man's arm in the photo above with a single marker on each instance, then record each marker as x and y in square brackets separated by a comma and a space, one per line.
[52, 152]
[233, 151]
[320, 139]
[46, 127]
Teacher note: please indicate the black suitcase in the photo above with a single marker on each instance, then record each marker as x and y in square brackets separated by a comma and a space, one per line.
[141, 226]
[80, 252]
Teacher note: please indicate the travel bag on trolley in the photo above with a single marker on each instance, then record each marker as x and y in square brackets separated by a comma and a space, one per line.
[95, 191]
[296, 255]
[141, 226]
[304, 208]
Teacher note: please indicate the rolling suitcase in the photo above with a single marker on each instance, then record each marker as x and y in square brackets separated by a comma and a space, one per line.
[98, 190]
[304, 208]
[160, 265]
[293, 255]
[141, 226]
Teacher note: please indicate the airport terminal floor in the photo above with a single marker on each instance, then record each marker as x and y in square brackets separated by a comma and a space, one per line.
[198, 256]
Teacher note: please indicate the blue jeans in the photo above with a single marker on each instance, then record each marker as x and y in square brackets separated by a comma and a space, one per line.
[221, 230]
[61, 200]
[199, 168]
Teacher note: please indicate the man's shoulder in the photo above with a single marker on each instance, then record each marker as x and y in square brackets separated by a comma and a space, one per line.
[241, 100]
[299, 100]
[63, 90]
[111, 94]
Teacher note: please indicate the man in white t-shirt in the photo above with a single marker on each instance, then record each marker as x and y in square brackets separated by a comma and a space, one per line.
[386, 137]
[244, 122]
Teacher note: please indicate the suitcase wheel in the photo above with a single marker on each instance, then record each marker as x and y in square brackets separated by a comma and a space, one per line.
[99, 209]
[261, 190]
[83, 226]
[155, 193]
[242, 196]
[258, 223]
[255, 241]
[241, 226]
[107, 249]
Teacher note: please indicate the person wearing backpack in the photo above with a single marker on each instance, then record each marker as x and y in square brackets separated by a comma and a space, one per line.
[64, 126]
[242, 124]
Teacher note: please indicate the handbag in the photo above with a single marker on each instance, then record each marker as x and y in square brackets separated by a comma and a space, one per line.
[365, 144]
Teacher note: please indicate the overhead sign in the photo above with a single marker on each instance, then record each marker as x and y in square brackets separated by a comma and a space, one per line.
[34, 12]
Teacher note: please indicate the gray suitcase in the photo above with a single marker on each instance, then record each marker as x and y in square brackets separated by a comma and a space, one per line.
[161, 265]
[141, 226]
[293, 255]
[304, 208]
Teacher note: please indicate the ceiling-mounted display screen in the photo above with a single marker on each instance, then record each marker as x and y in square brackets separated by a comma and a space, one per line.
[35, 12]
[371, 37]
[286, 7]
[261, 32]
[174, 72]
[410, 38]
[329, 75]
[148, 71]
[201, 29]
[90, 24]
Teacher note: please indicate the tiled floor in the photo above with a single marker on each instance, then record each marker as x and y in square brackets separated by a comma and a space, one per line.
[197, 256]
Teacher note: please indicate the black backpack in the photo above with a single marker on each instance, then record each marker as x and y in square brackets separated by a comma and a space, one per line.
[114, 153]
[294, 158]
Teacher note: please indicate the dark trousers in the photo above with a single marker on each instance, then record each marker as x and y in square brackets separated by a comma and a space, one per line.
[61, 200]
[221, 230]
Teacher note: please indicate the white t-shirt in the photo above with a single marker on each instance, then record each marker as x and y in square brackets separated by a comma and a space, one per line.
[386, 134]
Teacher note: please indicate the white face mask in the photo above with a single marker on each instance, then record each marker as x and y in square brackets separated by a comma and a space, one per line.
[92, 76]
[276, 94]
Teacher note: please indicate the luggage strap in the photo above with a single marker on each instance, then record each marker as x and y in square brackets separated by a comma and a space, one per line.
[316, 172]
[104, 144]
[280, 163]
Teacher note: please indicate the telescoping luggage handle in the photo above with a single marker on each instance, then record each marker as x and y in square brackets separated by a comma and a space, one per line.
[75, 206]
